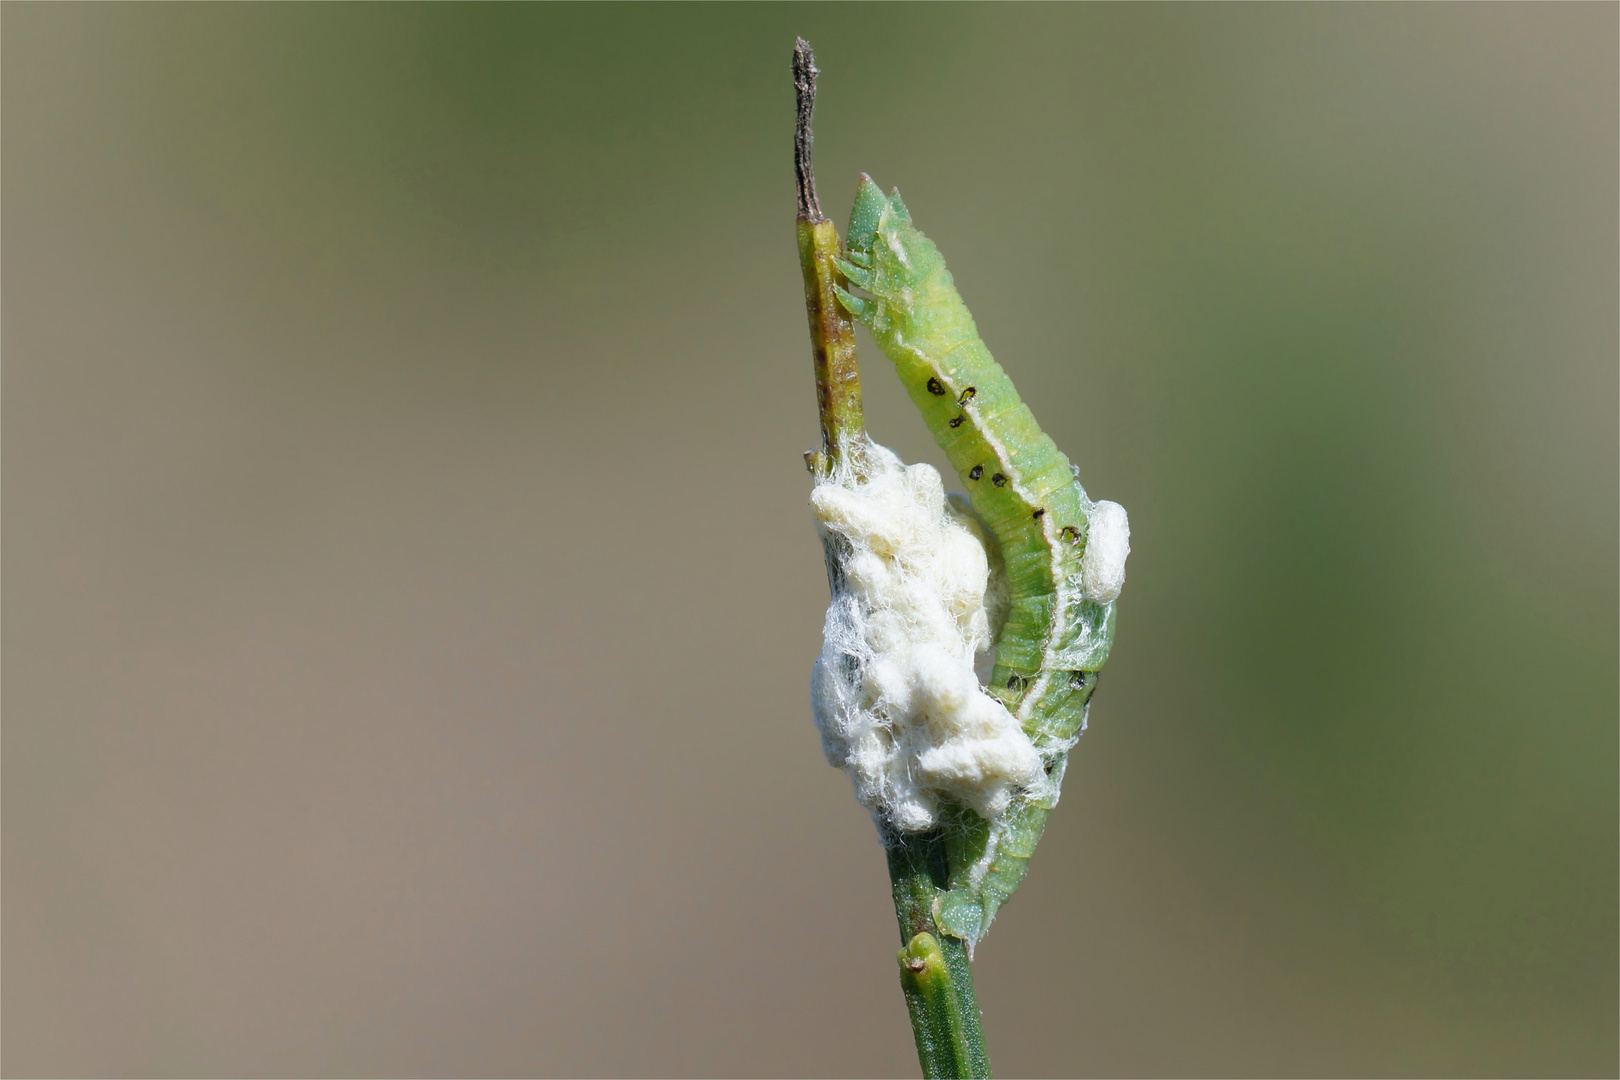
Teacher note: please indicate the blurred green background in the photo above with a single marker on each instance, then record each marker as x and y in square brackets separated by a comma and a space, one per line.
[410, 594]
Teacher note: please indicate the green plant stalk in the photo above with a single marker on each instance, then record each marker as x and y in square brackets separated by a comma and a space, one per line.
[934, 971]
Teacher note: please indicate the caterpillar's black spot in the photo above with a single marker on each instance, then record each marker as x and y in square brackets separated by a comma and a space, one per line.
[967, 395]
[976, 472]
[1077, 681]
[956, 421]
[1040, 511]
[1070, 533]
[1017, 682]
[999, 480]
[936, 387]
[1051, 767]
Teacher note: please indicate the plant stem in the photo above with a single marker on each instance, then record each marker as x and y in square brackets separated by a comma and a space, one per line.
[934, 971]
[832, 333]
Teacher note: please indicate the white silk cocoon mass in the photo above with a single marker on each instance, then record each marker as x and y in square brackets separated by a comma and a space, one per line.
[1102, 567]
[895, 696]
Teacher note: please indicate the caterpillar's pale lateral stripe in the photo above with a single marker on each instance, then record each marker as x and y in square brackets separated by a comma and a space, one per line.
[1063, 554]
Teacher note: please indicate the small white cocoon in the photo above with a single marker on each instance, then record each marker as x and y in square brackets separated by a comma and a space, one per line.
[1102, 567]
[898, 705]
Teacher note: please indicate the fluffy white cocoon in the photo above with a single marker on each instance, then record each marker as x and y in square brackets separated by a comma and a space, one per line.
[1102, 567]
[895, 696]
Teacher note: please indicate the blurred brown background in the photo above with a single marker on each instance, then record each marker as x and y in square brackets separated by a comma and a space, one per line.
[410, 594]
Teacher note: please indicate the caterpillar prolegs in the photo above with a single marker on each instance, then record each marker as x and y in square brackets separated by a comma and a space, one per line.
[1063, 555]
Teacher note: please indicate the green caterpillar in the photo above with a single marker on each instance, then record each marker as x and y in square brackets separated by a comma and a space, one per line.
[1063, 555]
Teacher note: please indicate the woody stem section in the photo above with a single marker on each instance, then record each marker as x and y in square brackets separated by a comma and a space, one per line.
[832, 333]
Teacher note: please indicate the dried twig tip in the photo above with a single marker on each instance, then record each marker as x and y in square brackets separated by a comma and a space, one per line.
[804, 82]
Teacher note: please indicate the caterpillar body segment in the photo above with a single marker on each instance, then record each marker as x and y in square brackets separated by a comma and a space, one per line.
[1055, 636]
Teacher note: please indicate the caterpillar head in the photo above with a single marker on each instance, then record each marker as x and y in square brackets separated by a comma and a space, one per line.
[866, 218]
[887, 257]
